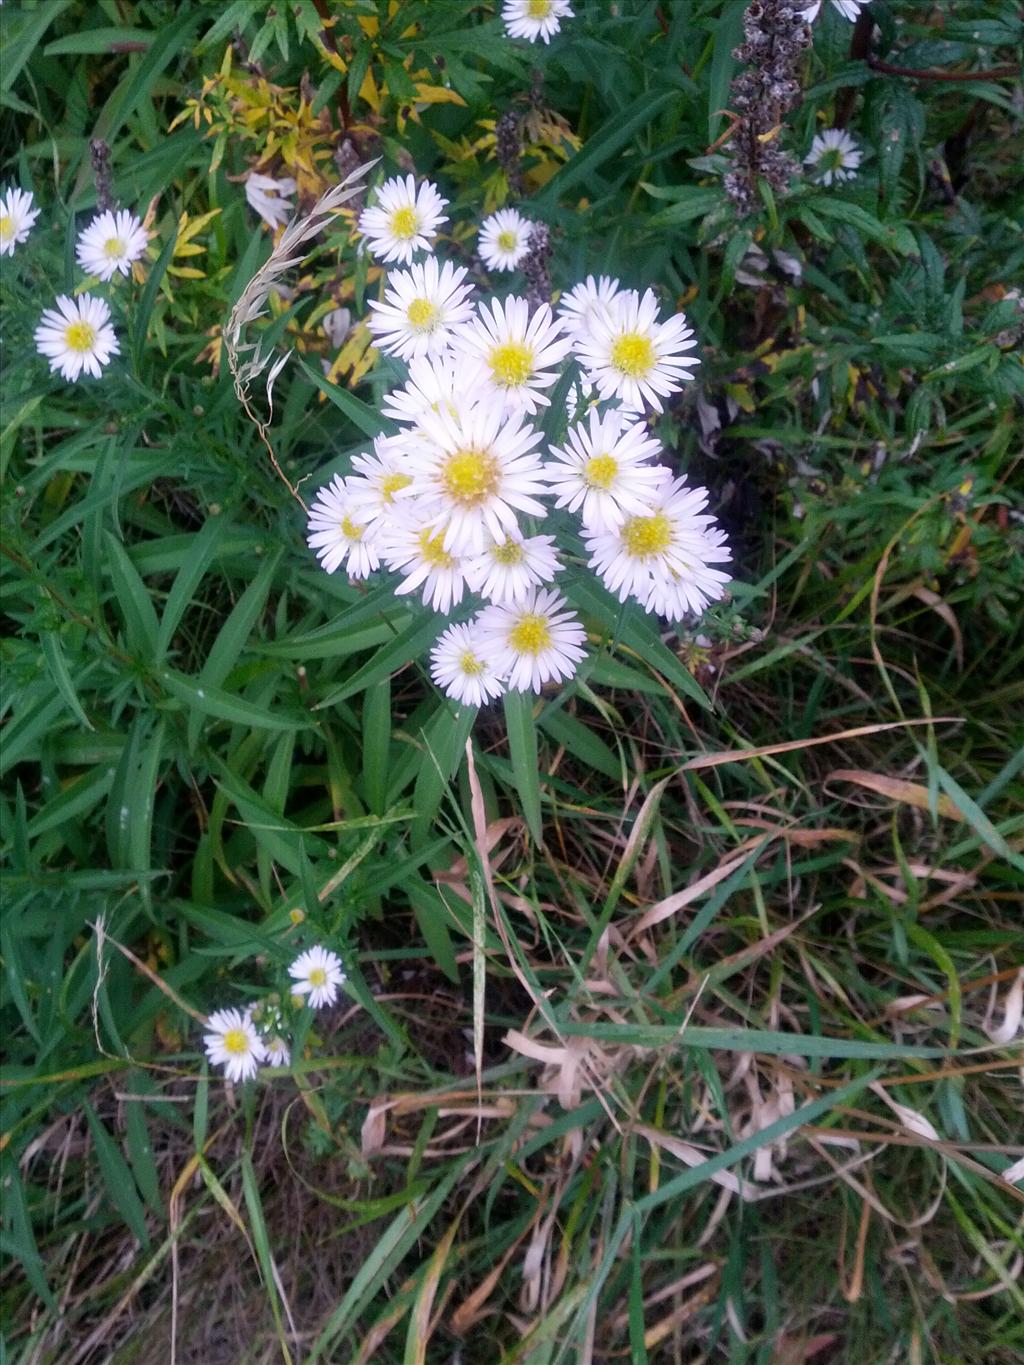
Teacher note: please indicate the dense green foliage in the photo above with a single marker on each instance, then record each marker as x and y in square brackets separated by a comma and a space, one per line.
[214, 753]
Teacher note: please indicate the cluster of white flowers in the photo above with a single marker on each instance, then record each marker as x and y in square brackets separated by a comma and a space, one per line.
[448, 502]
[239, 1040]
[834, 155]
[76, 336]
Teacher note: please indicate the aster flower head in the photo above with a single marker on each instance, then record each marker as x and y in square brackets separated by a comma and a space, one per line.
[506, 571]
[278, 1051]
[583, 301]
[834, 155]
[403, 219]
[630, 355]
[77, 337]
[434, 384]
[672, 543]
[421, 306]
[849, 9]
[317, 973]
[510, 352]
[604, 472]
[533, 19]
[340, 531]
[504, 239]
[475, 470]
[535, 641]
[461, 663]
[272, 199]
[234, 1043]
[413, 545]
[689, 588]
[110, 244]
[16, 218]
[383, 480]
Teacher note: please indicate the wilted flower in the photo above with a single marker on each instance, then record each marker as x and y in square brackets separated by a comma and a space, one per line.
[270, 198]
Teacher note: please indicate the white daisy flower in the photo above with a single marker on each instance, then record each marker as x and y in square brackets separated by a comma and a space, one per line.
[513, 350]
[834, 155]
[402, 219]
[459, 663]
[383, 479]
[234, 1044]
[849, 9]
[475, 470]
[278, 1052]
[270, 198]
[667, 543]
[533, 19]
[604, 472]
[340, 531]
[110, 244]
[504, 239]
[421, 306]
[16, 218]
[506, 570]
[583, 301]
[77, 336]
[632, 356]
[534, 641]
[693, 586]
[413, 545]
[434, 383]
[317, 973]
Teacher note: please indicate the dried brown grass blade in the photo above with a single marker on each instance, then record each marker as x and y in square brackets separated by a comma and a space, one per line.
[897, 789]
[715, 760]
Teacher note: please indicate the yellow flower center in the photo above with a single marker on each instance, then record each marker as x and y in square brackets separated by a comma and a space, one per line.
[6, 227]
[236, 1042]
[507, 240]
[831, 160]
[538, 9]
[114, 247]
[405, 223]
[350, 530]
[509, 553]
[422, 315]
[391, 483]
[471, 476]
[433, 552]
[600, 472]
[511, 364]
[317, 977]
[633, 355]
[644, 536]
[530, 635]
[80, 336]
[470, 664]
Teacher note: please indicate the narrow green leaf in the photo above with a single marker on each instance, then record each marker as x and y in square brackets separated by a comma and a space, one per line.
[53, 653]
[522, 743]
[367, 419]
[605, 144]
[132, 599]
[214, 701]
[117, 1177]
[411, 643]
